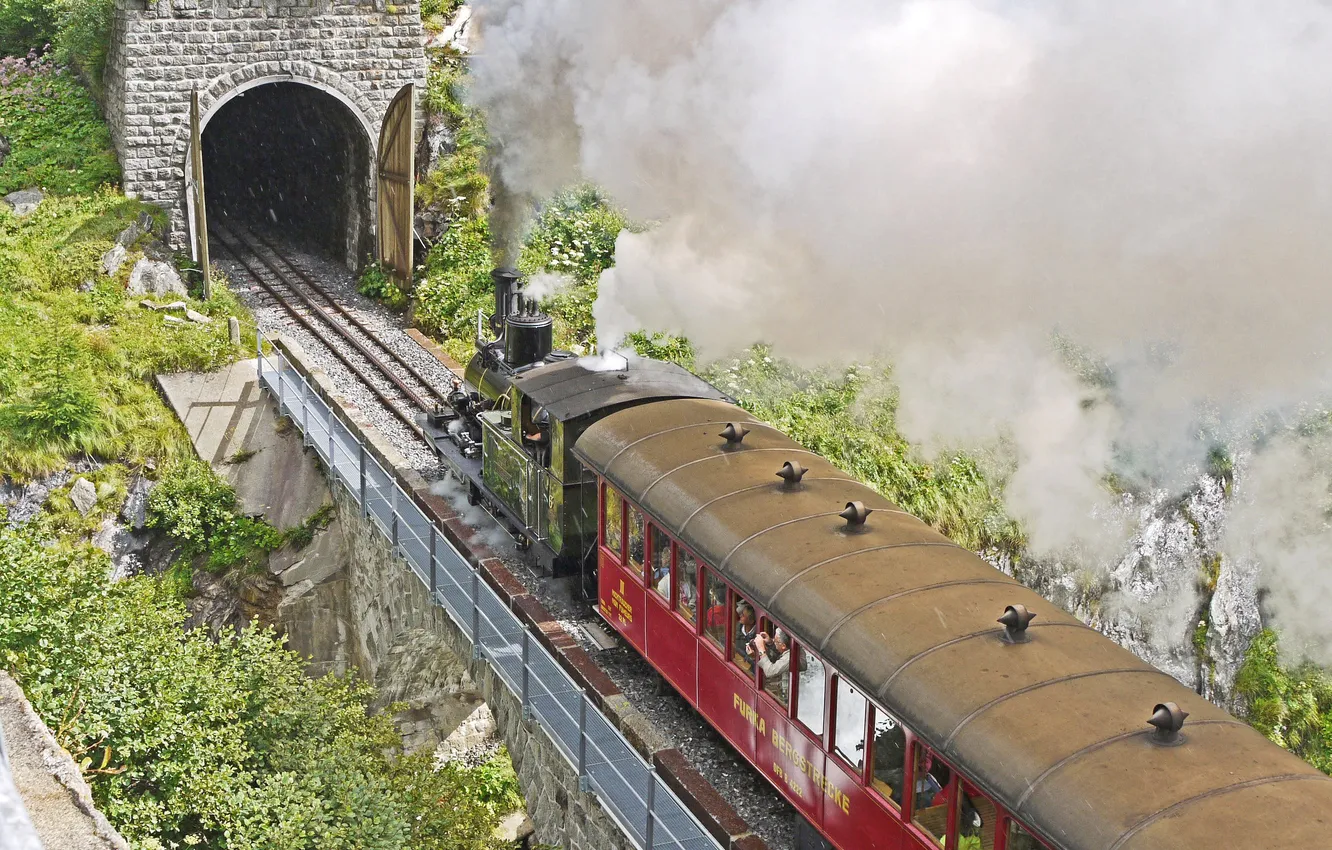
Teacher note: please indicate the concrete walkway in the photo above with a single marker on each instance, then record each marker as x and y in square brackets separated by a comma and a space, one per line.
[236, 428]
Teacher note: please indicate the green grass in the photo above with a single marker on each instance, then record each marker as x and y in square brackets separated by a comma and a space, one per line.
[58, 141]
[76, 367]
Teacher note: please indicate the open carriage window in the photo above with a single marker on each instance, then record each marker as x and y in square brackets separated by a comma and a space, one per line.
[849, 733]
[686, 575]
[636, 540]
[660, 580]
[929, 806]
[714, 618]
[773, 651]
[744, 625]
[811, 687]
[977, 819]
[888, 756]
[613, 521]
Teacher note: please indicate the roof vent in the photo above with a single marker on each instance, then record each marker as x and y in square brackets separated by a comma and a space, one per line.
[1015, 621]
[734, 433]
[1168, 719]
[791, 473]
[855, 515]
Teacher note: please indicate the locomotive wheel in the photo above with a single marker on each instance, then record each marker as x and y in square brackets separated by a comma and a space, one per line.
[524, 543]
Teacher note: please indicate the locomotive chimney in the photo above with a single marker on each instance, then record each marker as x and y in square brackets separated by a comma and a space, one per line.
[506, 279]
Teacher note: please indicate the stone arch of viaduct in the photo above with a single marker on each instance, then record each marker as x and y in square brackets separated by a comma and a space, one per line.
[360, 52]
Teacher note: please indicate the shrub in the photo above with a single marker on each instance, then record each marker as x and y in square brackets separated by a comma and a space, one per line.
[57, 138]
[376, 283]
[188, 741]
[199, 510]
[1291, 706]
[457, 282]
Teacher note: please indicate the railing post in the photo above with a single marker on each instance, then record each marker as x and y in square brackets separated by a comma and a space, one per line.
[527, 711]
[433, 583]
[582, 740]
[651, 804]
[259, 354]
[393, 495]
[305, 412]
[282, 380]
[360, 460]
[332, 459]
[476, 614]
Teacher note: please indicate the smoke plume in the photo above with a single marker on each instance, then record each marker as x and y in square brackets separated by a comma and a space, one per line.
[952, 184]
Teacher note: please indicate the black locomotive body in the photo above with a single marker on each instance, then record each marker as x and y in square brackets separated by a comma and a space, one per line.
[512, 424]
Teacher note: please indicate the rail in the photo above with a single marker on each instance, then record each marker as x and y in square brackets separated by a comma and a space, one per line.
[642, 805]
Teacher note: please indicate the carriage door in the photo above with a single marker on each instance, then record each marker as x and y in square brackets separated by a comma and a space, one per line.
[396, 167]
[196, 189]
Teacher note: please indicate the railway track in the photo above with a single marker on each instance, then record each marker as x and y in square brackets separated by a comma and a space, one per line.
[395, 383]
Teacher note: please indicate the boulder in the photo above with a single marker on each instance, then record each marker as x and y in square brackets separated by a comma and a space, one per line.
[152, 277]
[142, 226]
[178, 306]
[83, 494]
[115, 258]
[200, 318]
[172, 320]
[25, 201]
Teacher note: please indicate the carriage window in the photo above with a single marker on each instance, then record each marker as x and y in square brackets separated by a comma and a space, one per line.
[889, 756]
[661, 562]
[811, 684]
[714, 621]
[636, 540]
[774, 661]
[976, 819]
[686, 574]
[744, 626]
[929, 808]
[614, 518]
[1020, 839]
[849, 733]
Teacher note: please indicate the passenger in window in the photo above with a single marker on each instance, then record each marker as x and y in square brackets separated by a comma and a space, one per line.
[662, 577]
[714, 622]
[686, 569]
[774, 659]
[745, 628]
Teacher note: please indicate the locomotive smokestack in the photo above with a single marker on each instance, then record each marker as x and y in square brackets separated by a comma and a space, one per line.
[506, 279]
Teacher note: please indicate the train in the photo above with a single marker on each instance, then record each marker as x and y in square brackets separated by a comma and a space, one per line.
[897, 689]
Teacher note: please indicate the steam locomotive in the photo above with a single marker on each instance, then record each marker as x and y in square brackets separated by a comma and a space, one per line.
[898, 690]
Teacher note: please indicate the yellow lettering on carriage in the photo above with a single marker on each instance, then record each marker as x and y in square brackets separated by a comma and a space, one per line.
[805, 766]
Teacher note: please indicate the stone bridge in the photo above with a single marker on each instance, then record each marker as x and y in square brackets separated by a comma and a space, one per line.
[292, 94]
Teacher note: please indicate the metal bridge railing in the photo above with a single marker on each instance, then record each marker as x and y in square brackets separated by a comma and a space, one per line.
[639, 801]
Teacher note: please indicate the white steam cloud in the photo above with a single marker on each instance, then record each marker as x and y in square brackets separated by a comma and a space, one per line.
[947, 183]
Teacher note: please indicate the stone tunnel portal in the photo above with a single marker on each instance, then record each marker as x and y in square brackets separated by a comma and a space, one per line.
[287, 159]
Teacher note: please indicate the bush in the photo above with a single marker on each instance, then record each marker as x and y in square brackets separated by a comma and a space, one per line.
[1291, 706]
[57, 138]
[199, 510]
[187, 741]
[376, 283]
[457, 283]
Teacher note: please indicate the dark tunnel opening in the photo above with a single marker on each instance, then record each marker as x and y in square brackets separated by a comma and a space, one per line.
[289, 160]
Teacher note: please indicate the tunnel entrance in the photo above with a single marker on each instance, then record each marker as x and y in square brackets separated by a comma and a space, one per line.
[292, 161]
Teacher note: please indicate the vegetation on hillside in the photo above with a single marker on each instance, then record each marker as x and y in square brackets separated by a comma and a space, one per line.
[191, 741]
[77, 31]
[1292, 706]
[58, 141]
[187, 739]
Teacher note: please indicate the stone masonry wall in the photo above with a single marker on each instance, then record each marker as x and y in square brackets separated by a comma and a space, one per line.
[360, 52]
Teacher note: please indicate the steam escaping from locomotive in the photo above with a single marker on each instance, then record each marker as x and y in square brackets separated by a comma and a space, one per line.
[950, 184]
